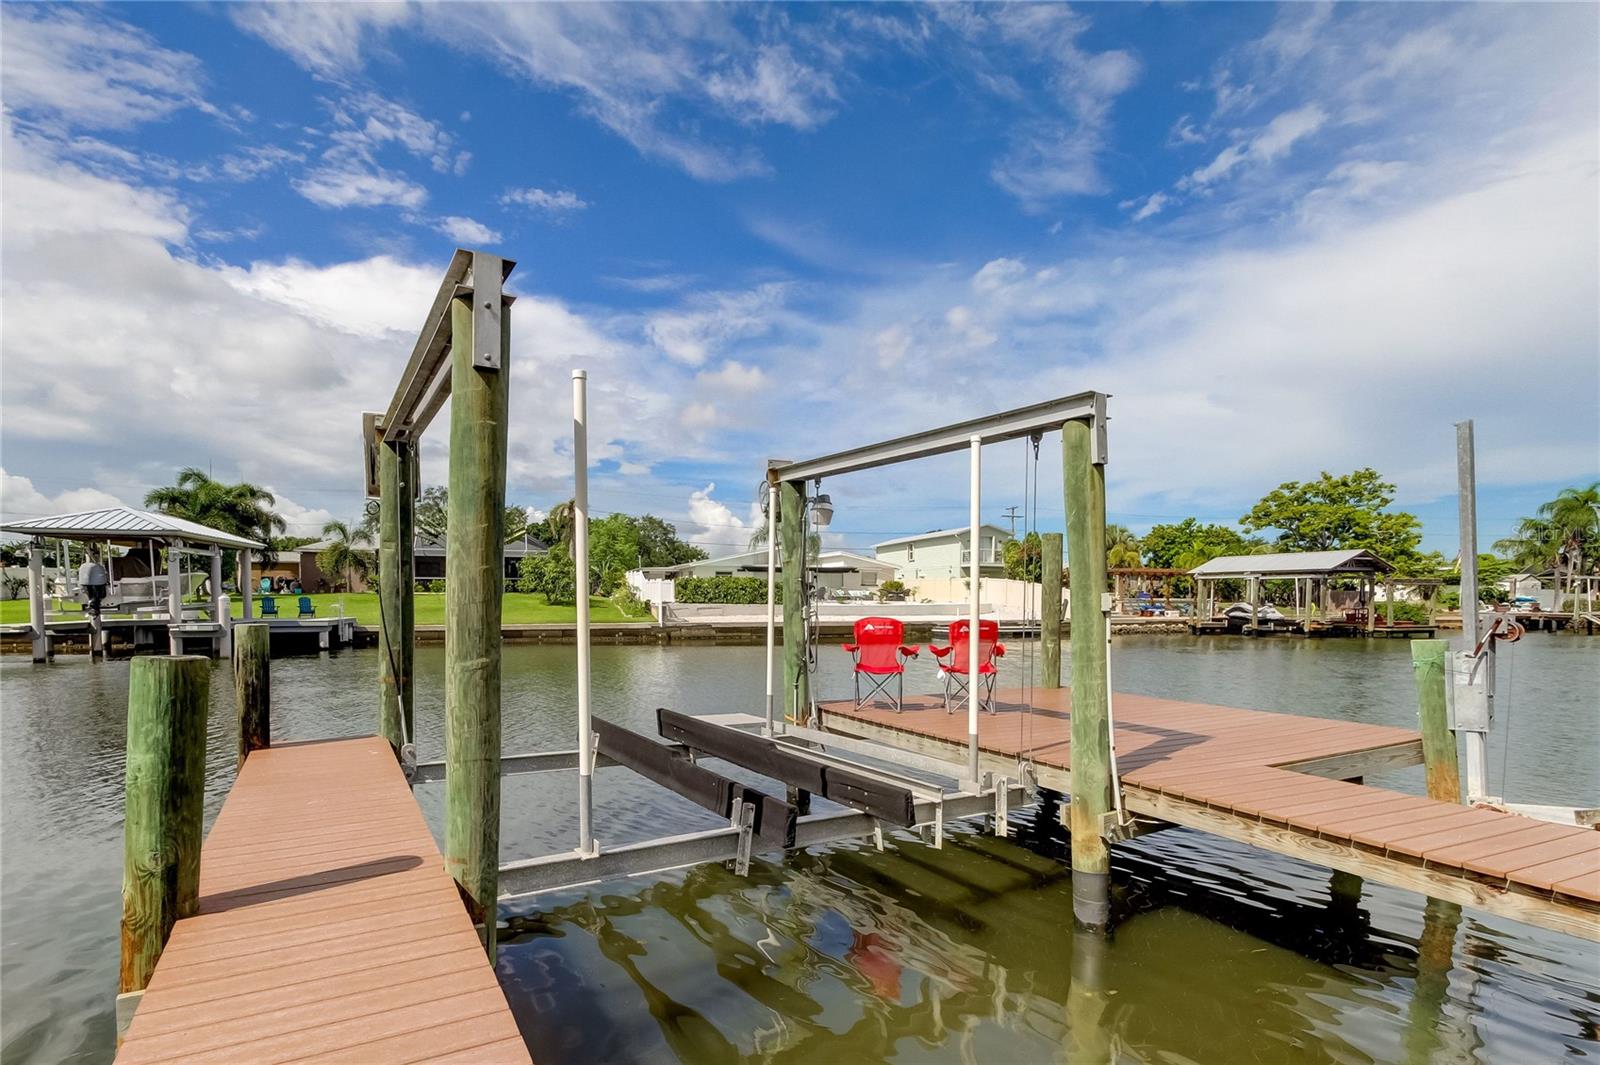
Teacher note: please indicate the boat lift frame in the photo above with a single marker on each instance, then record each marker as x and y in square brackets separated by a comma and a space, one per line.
[852, 772]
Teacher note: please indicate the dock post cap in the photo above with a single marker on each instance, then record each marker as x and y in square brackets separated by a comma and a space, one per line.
[579, 375]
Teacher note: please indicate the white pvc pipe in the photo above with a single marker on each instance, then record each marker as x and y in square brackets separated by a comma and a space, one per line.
[580, 548]
[772, 598]
[974, 504]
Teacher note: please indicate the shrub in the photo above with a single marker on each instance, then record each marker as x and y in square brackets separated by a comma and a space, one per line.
[1405, 612]
[891, 590]
[628, 602]
[552, 574]
[724, 590]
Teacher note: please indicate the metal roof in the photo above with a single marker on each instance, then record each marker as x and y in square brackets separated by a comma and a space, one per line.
[125, 523]
[1293, 564]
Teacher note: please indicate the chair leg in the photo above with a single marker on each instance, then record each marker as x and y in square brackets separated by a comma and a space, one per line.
[858, 692]
[900, 692]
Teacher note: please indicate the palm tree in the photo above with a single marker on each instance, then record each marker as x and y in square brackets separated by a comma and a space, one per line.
[1564, 531]
[243, 509]
[1122, 548]
[343, 553]
[560, 521]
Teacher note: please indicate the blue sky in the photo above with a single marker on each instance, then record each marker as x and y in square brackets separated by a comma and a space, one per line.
[1286, 239]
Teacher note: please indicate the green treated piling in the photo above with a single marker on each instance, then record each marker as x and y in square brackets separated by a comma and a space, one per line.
[1084, 490]
[475, 564]
[792, 534]
[1050, 610]
[165, 788]
[1439, 759]
[252, 686]
[397, 468]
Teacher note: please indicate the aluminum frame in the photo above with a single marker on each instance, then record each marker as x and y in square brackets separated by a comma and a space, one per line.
[993, 429]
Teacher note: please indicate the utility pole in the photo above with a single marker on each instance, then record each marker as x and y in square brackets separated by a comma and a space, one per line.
[1011, 513]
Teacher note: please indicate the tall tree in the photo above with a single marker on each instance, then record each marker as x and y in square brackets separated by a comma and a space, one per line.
[1024, 558]
[1189, 543]
[1564, 535]
[431, 515]
[243, 509]
[343, 554]
[1334, 513]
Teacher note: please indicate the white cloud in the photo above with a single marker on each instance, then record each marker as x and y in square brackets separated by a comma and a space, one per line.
[324, 38]
[1284, 130]
[775, 88]
[1146, 206]
[733, 377]
[366, 126]
[372, 298]
[997, 273]
[560, 201]
[20, 500]
[714, 525]
[79, 64]
[466, 231]
[692, 335]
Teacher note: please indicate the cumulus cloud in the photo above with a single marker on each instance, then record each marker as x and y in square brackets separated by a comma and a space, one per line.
[693, 334]
[20, 500]
[466, 231]
[366, 127]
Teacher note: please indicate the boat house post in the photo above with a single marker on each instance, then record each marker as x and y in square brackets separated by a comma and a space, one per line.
[174, 595]
[1083, 476]
[1050, 609]
[792, 523]
[246, 584]
[396, 584]
[480, 332]
[36, 614]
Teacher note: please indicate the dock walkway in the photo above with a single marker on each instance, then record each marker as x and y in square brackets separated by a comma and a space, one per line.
[1284, 783]
[328, 929]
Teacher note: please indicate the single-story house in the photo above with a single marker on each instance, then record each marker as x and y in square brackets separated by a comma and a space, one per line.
[300, 564]
[943, 554]
[835, 570]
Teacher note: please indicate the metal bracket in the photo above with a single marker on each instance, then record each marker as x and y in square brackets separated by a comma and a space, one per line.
[744, 819]
[408, 761]
[1470, 694]
[486, 310]
[1099, 451]
[877, 834]
[1002, 808]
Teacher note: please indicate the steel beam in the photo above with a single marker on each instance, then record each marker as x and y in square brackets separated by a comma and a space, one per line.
[510, 764]
[557, 872]
[887, 799]
[1008, 425]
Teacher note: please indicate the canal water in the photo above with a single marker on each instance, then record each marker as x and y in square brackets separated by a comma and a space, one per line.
[843, 954]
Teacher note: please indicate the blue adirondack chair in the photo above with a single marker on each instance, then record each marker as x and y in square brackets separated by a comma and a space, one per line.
[308, 609]
[269, 607]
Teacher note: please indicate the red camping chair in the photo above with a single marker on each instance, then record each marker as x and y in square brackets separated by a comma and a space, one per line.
[880, 656]
[954, 661]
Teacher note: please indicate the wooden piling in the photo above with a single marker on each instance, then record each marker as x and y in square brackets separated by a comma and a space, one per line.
[252, 686]
[1084, 489]
[1439, 758]
[396, 583]
[792, 526]
[1050, 609]
[475, 563]
[165, 797]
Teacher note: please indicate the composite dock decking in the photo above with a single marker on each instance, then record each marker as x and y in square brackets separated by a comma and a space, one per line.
[328, 929]
[1280, 781]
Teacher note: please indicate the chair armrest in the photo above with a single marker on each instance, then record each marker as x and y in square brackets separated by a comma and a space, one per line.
[999, 650]
[850, 647]
[908, 650]
[938, 652]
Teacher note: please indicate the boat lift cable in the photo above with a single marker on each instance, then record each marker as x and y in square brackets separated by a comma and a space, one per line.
[1031, 648]
[408, 750]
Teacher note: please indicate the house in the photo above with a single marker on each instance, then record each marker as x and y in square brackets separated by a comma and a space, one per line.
[300, 564]
[834, 570]
[943, 554]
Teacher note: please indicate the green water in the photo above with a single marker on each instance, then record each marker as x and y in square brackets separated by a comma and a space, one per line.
[841, 954]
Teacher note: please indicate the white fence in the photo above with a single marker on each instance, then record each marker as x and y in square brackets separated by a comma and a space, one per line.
[1012, 600]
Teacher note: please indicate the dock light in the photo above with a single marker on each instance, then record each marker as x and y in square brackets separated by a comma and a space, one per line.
[821, 511]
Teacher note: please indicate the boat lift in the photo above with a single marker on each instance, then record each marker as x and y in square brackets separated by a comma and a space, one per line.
[876, 783]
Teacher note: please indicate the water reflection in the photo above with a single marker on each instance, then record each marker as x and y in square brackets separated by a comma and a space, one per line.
[1221, 954]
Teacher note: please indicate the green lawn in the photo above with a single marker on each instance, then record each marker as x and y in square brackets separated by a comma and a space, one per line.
[517, 608]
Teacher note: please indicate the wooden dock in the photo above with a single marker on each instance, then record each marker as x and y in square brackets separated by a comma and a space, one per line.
[328, 929]
[1283, 783]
